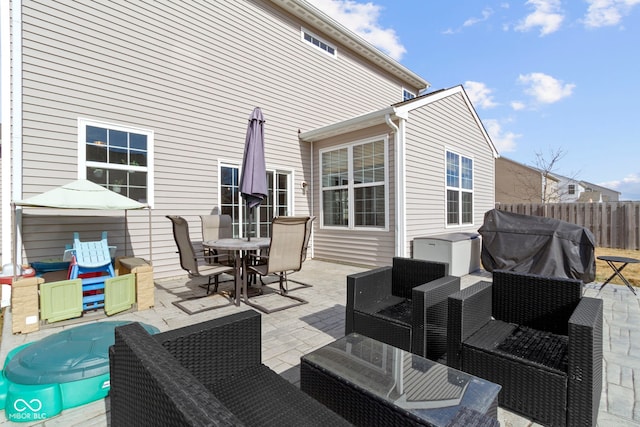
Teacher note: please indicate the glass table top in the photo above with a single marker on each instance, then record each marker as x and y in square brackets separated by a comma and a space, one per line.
[428, 389]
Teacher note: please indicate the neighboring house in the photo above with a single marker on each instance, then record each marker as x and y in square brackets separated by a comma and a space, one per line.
[573, 190]
[519, 183]
[152, 100]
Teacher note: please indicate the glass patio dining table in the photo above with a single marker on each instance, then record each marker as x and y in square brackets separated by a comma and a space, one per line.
[240, 248]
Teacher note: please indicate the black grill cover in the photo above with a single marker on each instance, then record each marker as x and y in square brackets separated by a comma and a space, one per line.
[537, 245]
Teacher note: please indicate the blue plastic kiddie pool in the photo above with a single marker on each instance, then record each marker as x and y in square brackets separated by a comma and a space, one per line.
[64, 370]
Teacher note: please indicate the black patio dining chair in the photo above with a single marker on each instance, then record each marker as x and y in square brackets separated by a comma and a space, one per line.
[197, 265]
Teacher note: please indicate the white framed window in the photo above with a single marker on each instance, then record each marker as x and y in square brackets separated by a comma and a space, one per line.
[117, 157]
[229, 195]
[318, 42]
[572, 189]
[277, 203]
[459, 189]
[279, 199]
[355, 185]
[407, 95]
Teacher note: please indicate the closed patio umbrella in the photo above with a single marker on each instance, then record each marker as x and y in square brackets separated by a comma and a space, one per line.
[253, 182]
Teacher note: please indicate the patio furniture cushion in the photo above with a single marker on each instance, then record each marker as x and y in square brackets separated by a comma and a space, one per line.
[400, 312]
[541, 347]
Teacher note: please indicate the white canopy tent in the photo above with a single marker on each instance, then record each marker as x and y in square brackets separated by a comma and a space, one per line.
[81, 194]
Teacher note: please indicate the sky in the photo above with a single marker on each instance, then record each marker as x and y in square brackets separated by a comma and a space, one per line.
[546, 77]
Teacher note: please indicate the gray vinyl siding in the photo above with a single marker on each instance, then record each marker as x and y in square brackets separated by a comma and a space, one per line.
[443, 125]
[369, 248]
[191, 73]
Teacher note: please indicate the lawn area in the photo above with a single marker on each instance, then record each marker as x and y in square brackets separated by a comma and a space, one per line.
[631, 271]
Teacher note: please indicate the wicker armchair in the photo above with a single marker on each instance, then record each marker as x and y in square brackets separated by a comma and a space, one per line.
[404, 305]
[203, 375]
[543, 344]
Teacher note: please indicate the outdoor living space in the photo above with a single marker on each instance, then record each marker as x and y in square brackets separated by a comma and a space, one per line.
[289, 334]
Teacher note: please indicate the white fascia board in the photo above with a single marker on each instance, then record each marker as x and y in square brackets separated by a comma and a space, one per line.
[357, 123]
[404, 108]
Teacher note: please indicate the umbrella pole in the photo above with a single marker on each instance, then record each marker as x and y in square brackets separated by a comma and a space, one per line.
[250, 222]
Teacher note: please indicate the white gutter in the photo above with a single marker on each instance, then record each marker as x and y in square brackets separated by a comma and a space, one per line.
[400, 183]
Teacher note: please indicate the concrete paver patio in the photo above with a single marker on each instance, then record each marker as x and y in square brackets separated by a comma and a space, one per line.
[288, 334]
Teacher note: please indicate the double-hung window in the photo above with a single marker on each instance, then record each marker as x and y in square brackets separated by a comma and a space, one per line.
[354, 185]
[117, 157]
[459, 175]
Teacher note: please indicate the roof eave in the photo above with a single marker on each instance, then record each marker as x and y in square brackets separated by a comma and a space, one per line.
[354, 124]
[314, 17]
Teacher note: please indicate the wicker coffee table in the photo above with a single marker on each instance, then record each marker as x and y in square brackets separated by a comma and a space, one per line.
[371, 383]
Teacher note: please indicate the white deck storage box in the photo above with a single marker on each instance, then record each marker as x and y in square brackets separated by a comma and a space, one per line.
[460, 250]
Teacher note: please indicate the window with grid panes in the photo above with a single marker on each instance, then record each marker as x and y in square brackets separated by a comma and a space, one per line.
[354, 185]
[117, 158]
[459, 177]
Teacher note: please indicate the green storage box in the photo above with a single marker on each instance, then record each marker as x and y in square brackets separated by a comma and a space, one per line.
[61, 300]
[119, 293]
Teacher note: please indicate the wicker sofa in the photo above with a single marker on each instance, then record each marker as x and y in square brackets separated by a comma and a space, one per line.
[538, 338]
[403, 305]
[202, 375]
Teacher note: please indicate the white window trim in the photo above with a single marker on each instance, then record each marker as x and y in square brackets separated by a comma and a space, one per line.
[350, 185]
[472, 191]
[312, 34]
[290, 189]
[82, 152]
[404, 89]
[223, 163]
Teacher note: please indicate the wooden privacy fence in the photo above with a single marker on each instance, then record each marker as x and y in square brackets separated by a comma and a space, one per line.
[614, 224]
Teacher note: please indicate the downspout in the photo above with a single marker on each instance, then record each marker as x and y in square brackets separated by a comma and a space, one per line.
[11, 23]
[311, 189]
[400, 184]
[5, 73]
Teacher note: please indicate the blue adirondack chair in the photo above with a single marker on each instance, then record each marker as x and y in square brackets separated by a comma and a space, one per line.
[91, 259]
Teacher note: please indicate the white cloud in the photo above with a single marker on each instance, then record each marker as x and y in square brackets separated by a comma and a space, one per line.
[602, 13]
[629, 186]
[547, 15]
[518, 105]
[479, 94]
[504, 141]
[362, 19]
[486, 14]
[544, 88]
